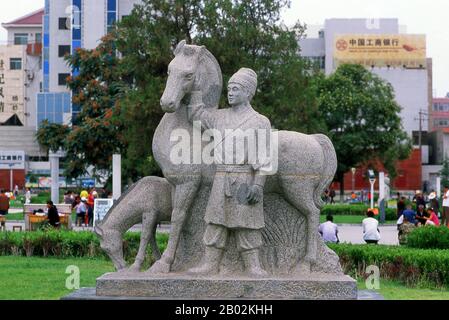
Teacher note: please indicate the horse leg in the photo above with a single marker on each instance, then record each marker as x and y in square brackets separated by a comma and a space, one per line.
[299, 194]
[184, 195]
[148, 221]
[155, 252]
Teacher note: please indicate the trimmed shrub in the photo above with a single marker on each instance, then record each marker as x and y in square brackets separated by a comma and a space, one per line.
[67, 244]
[355, 210]
[407, 265]
[429, 237]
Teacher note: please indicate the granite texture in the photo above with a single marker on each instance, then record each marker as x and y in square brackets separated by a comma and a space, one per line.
[320, 286]
[91, 294]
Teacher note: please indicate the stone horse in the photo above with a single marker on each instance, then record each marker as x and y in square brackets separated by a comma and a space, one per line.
[148, 201]
[306, 163]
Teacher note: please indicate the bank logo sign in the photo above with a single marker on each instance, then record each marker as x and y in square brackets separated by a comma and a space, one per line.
[381, 50]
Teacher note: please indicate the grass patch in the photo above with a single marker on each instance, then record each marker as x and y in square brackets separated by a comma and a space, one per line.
[15, 216]
[393, 290]
[36, 278]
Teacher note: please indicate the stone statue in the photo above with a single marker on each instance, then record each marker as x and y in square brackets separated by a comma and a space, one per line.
[239, 228]
[226, 211]
[306, 163]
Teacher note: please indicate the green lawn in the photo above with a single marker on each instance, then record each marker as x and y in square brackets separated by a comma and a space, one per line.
[348, 219]
[14, 216]
[392, 290]
[23, 278]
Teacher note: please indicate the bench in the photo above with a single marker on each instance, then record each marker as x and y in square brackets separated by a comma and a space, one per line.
[64, 210]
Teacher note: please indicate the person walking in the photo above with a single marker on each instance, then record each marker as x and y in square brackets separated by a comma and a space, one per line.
[371, 232]
[445, 213]
[329, 230]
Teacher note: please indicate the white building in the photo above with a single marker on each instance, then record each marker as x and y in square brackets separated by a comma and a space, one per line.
[338, 42]
[69, 25]
[20, 64]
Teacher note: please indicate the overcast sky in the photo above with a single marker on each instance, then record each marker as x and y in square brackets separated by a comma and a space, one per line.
[428, 17]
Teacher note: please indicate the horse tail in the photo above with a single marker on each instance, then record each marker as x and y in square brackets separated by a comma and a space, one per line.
[328, 170]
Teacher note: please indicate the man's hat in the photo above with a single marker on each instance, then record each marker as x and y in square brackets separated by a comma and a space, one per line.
[432, 195]
[247, 78]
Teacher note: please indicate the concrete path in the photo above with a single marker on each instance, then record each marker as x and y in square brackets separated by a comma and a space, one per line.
[347, 233]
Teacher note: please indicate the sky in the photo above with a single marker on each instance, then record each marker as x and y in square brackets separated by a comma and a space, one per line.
[428, 17]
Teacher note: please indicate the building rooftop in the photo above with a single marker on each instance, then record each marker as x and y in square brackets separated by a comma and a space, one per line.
[31, 19]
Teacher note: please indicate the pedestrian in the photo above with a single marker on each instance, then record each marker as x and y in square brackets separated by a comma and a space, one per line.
[409, 214]
[404, 229]
[90, 207]
[371, 232]
[4, 206]
[16, 191]
[53, 215]
[421, 216]
[434, 203]
[400, 206]
[81, 210]
[419, 199]
[329, 230]
[332, 195]
[445, 213]
[431, 218]
[326, 196]
[28, 196]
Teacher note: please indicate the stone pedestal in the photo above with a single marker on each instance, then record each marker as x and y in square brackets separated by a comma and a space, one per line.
[172, 286]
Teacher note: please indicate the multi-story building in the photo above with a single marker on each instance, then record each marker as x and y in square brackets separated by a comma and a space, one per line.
[20, 67]
[20, 81]
[383, 46]
[69, 25]
[439, 114]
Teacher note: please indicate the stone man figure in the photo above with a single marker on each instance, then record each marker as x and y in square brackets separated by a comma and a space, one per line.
[236, 199]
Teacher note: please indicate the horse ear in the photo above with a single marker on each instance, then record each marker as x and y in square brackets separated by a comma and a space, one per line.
[179, 47]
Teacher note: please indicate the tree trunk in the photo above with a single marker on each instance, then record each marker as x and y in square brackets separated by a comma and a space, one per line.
[341, 180]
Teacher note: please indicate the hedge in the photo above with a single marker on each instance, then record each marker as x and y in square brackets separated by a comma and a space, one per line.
[410, 266]
[429, 237]
[355, 210]
[68, 244]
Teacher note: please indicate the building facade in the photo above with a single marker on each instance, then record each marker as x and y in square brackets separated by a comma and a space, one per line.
[20, 67]
[383, 47]
[69, 25]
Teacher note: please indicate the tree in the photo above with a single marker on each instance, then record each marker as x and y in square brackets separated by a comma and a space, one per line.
[119, 93]
[444, 173]
[362, 119]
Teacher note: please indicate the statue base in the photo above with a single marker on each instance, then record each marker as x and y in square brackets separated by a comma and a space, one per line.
[183, 286]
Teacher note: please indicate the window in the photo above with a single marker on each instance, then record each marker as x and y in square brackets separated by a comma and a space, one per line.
[64, 23]
[20, 38]
[15, 64]
[62, 78]
[38, 37]
[63, 50]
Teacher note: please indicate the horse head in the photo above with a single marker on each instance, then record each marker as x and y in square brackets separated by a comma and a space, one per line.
[194, 68]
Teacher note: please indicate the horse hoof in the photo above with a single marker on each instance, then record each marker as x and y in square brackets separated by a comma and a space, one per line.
[159, 267]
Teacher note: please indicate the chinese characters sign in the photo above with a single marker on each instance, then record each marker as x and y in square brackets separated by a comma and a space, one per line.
[381, 50]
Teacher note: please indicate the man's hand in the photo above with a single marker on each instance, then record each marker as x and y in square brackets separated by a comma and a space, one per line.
[255, 193]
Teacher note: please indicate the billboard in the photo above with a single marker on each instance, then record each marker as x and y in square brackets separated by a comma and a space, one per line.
[381, 50]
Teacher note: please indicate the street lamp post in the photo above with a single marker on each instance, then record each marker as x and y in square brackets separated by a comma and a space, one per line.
[353, 179]
[372, 180]
[11, 177]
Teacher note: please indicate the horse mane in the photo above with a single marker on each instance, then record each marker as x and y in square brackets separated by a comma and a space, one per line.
[213, 87]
